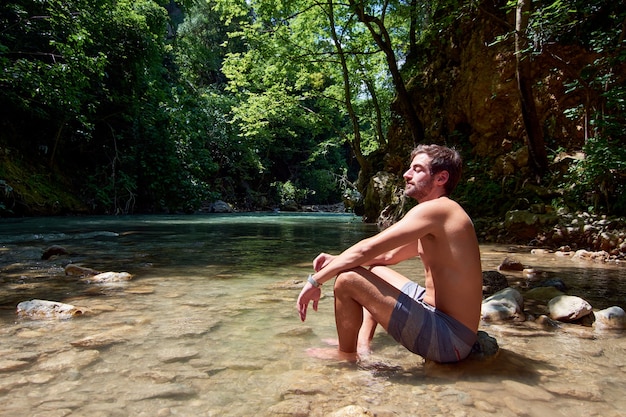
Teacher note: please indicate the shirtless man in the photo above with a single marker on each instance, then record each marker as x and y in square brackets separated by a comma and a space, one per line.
[438, 322]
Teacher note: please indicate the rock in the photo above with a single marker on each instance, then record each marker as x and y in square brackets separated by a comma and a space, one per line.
[220, 206]
[352, 411]
[293, 407]
[109, 277]
[503, 305]
[166, 390]
[81, 271]
[544, 294]
[12, 365]
[612, 318]
[586, 255]
[554, 282]
[493, 281]
[568, 308]
[44, 309]
[510, 264]
[71, 359]
[54, 251]
[485, 347]
[103, 339]
[177, 355]
[527, 392]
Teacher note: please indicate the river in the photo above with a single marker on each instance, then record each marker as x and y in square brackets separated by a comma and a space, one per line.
[208, 327]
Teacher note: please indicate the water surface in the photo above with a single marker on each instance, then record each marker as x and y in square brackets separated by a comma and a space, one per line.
[208, 327]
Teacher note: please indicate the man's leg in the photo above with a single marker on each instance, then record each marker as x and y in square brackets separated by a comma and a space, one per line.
[374, 290]
[368, 327]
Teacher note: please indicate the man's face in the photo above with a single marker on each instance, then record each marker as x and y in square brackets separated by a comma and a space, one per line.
[419, 180]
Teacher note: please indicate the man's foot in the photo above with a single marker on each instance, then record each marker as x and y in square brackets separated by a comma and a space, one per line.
[332, 354]
[363, 349]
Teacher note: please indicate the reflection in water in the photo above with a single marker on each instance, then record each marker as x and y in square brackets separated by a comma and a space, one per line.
[208, 327]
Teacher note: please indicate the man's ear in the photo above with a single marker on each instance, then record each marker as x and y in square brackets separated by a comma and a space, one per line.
[442, 177]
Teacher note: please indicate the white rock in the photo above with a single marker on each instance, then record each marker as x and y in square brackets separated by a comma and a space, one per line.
[44, 309]
[568, 308]
[507, 304]
[108, 277]
[612, 318]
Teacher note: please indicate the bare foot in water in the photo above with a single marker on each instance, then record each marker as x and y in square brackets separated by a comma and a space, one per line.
[333, 354]
[362, 349]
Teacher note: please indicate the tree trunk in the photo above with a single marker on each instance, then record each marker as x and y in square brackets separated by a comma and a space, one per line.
[380, 35]
[536, 145]
[355, 143]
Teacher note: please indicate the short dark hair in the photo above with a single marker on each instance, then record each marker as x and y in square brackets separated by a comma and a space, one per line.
[443, 159]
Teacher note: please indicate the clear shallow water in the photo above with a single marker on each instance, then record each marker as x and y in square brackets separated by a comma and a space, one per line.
[208, 327]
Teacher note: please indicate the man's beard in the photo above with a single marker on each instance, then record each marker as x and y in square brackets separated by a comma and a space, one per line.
[420, 190]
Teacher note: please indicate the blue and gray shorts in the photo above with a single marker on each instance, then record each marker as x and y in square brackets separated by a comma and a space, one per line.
[424, 330]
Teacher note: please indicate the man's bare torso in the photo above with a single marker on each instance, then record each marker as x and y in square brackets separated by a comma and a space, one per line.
[452, 265]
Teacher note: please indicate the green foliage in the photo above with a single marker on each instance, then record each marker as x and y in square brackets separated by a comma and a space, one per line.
[599, 179]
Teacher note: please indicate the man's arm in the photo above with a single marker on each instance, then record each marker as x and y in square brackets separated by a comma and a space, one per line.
[398, 242]
[395, 256]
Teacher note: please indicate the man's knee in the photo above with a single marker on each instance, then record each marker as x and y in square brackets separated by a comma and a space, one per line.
[347, 281]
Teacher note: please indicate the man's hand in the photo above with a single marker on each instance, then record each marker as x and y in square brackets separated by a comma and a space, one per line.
[321, 261]
[308, 293]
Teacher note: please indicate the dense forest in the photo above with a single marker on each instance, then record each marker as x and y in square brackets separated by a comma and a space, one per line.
[141, 106]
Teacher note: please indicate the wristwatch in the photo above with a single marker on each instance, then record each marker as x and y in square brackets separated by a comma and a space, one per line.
[313, 282]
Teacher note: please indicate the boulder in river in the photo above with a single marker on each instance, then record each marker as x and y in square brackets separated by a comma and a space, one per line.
[568, 308]
[504, 305]
[44, 309]
[612, 318]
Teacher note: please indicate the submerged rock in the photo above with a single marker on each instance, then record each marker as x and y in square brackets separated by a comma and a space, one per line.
[44, 309]
[81, 271]
[109, 277]
[54, 251]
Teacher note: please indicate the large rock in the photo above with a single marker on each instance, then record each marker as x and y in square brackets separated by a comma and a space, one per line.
[44, 309]
[504, 305]
[568, 308]
[612, 318]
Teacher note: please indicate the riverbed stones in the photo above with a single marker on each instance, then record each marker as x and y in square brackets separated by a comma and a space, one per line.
[352, 411]
[103, 339]
[504, 305]
[292, 407]
[612, 318]
[45, 309]
[568, 308]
